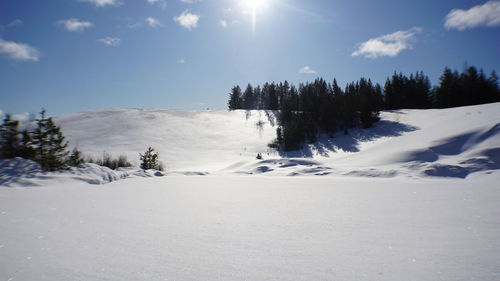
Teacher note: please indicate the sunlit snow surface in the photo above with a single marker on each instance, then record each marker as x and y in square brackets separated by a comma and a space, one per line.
[414, 198]
[253, 228]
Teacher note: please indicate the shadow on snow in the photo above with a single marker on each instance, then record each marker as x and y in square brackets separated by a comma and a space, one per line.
[350, 142]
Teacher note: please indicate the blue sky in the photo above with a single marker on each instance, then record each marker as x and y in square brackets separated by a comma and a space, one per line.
[76, 55]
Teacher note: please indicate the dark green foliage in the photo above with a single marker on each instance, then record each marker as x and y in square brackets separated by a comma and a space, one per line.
[407, 92]
[319, 107]
[316, 107]
[369, 102]
[271, 97]
[467, 88]
[235, 99]
[9, 138]
[75, 158]
[249, 100]
[150, 160]
[45, 144]
[26, 149]
[50, 146]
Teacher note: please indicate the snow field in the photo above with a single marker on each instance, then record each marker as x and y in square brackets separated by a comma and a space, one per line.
[253, 228]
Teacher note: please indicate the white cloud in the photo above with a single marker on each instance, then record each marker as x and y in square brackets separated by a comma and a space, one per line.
[135, 25]
[182, 61]
[226, 24]
[110, 41]
[187, 20]
[153, 22]
[1, 113]
[160, 3]
[102, 3]
[188, 1]
[388, 45]
[75, 25]
[487, 14]
[18, 51]
[307, 70]
[13, 23]
[149, 21]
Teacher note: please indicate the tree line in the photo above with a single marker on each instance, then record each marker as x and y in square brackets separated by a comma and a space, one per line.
[321, 107]
[46, 145]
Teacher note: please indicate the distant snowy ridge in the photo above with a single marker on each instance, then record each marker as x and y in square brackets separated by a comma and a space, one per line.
[406, 143]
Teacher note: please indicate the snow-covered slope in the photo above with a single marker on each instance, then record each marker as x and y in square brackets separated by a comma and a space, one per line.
[186, 140]
[228, 226]
[448, 142]
[408, 143]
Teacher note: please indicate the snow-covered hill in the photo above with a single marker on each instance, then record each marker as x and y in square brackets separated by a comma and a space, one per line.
[377, 213]
[448, 142]
[407, 143]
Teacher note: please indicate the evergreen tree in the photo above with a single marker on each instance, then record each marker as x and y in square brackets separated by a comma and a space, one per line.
[257, 93]
[369, 102]
[272, 97]
[26, 149]
[50, 146]
[467, 88]
[235, 98]
[9, 138]
[150, 160]
[248, 98]
[75, 158]
[445, 90]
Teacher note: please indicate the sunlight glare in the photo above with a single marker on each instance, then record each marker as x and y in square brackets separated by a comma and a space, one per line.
[254, 6]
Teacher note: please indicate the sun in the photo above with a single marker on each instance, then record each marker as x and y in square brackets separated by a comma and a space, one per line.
[254, 4]
[254, 7]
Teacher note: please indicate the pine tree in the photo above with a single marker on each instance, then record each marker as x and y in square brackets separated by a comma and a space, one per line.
[235, 98]
[26, 149]
[150, 160]
[272, 97]
[50, 147]
[248, 98]
[9, 138]
[75, 158]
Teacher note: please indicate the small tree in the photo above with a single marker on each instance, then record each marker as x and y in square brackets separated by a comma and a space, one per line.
[149, 160]
[9, 137]
[50, 146]
[75, 158]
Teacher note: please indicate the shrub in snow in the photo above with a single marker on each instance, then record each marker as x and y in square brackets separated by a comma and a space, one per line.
[107, 160]
[149, 160]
